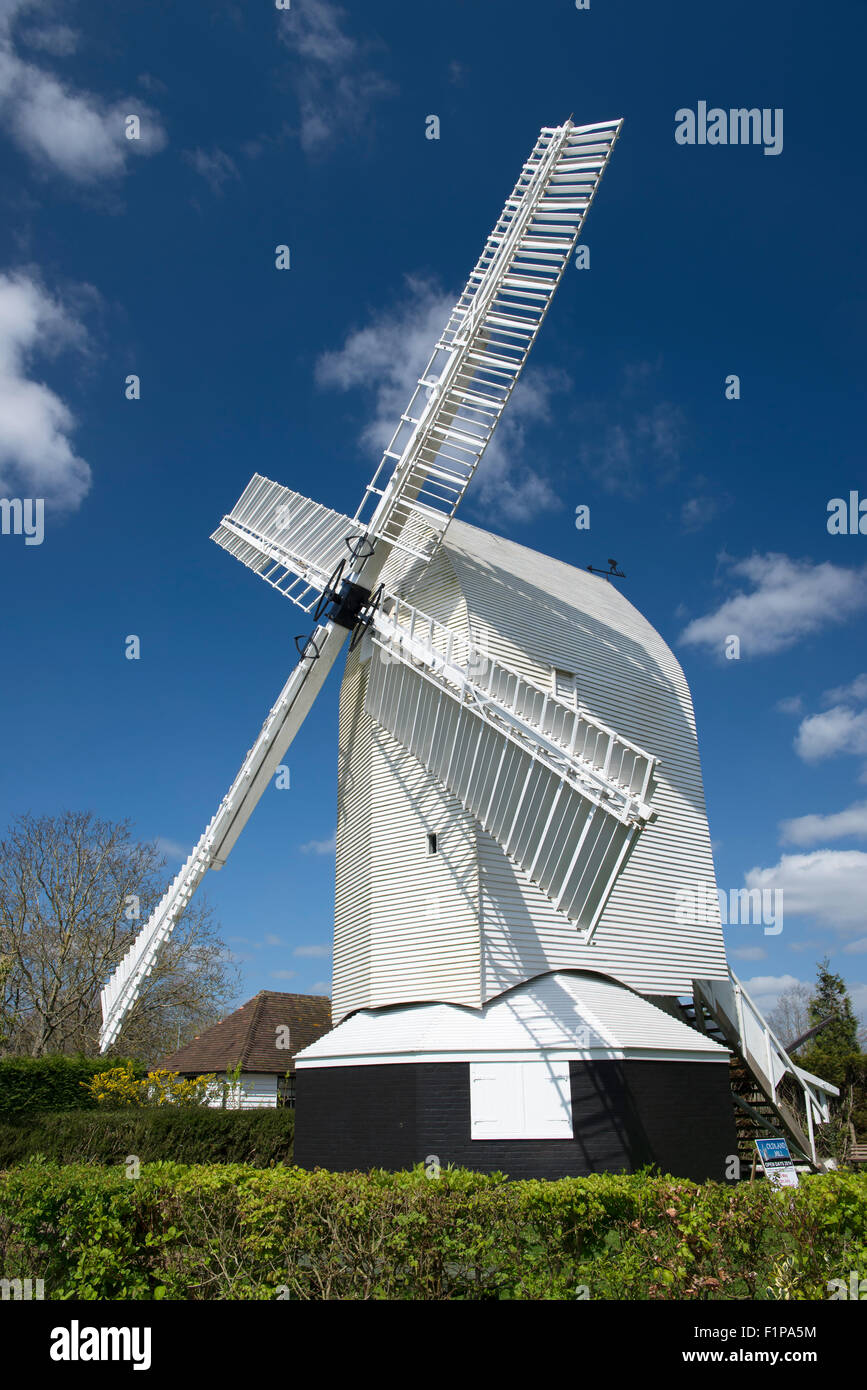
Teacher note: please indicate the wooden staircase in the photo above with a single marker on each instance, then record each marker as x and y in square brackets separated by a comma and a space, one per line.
[757, 1114]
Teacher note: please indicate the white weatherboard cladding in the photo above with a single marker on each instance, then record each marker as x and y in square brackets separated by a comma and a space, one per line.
[352, 894]
[537, 614]
[406, 921]
[254, 1091]
[562, 1016]
[258, 1092]
[494, 927]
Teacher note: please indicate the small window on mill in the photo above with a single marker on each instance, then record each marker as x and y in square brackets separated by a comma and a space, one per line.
[566, 686]
[432, 842]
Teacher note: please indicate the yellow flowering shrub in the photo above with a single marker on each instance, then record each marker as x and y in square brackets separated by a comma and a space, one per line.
[120, 1087]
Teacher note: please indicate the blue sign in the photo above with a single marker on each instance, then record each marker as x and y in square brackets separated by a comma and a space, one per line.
[777, 1162]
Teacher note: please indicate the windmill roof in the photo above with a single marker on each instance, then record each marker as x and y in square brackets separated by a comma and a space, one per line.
[551, 608]
[251, 1035]
[570, 1013]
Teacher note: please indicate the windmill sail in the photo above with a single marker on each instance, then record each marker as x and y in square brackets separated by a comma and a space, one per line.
[293, 543]
[563, 794]
[460, 396]
[212, 850]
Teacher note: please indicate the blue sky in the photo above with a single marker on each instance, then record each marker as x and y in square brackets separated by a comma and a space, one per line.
[306, 127]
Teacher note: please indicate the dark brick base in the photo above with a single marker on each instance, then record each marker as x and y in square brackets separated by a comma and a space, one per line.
[678, 1115]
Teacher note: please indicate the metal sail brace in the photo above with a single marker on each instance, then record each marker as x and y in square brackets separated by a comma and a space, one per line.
[292, 542]
[442, 434]
[563, 794]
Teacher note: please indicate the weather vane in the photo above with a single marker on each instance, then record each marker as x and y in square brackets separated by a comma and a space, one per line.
[611, 573]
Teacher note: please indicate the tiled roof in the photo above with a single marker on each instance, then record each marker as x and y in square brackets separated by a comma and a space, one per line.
[252, 1035]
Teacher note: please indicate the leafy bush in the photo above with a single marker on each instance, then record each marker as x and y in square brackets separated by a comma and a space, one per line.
[238, 1232]
[181, 1134]
[52, 1083]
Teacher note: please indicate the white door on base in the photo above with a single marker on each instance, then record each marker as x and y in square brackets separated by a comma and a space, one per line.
[520, 1100]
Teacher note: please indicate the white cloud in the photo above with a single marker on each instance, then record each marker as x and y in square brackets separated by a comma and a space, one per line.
[827, 884]
[813, 830]
[791, 599]
[765, 990]
[37, 458]
[270, 939]
[172, 849]
[748, 952]
[837, 730]
[216, 167]
[74, 133]
[697, 512]
[322, 987]
[505, 483]
[644, 444]
[792, 704]
[389, 354]
[855, 691]
[336, 87]
[284, 974]
[312, 951]
[856, 948]
[57, 39]
[858, 995]
[320, 846]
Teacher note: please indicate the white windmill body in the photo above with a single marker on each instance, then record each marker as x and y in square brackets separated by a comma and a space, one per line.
[520, 802]
[431, 908]
[465, 923]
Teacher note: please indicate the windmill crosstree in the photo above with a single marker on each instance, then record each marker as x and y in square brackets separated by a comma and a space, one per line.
[549, 791]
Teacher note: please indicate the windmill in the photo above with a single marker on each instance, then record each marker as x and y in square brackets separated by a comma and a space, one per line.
[519, 796]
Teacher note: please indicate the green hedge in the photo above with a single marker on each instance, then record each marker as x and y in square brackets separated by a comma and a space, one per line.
[179, 1134]
[52, 1083]
[236, 1232]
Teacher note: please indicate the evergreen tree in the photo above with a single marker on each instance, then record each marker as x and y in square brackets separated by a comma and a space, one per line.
[834, 1052]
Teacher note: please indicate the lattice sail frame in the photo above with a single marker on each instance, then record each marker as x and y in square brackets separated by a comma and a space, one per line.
[292, 542]
[563, 794]
[475, 364]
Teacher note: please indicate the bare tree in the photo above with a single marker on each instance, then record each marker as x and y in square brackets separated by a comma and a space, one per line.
[74, 892]
[790, 1016]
